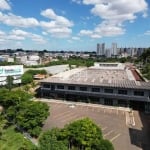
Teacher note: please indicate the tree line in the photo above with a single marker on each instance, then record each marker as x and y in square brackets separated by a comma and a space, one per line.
[145, 59]
[21, 111]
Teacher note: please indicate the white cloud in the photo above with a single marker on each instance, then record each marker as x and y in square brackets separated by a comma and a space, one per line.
[108, 29]
[147, 32]
[60, 20]
[49, 13]
[119, 10]
[60, 32]
[95, 36]
[2, 33]
[18, 44]
[114, 14]
[44, 33]
[14, 37]
[103, 30]
[17, 21]
[77, 1]
[69, 41]
[58, 26]
[37, 38]
[75, 38]
[20, 35]
[86, 32]
[4, 5]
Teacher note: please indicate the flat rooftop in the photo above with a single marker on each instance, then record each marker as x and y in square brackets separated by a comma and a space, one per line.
[99, 77]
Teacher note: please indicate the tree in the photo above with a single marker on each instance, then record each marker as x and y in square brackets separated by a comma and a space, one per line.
[3, 123]
[12, 98]
[82, 133]
[30, 116]
[102, 145]
[34, 72]
[49, 141]
[9, 82]
[26, 78]
[3, 94]
[145, 58]
[123, 60]
[27, 146]
[145, 55]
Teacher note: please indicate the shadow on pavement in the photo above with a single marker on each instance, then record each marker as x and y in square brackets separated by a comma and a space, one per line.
[141, 138]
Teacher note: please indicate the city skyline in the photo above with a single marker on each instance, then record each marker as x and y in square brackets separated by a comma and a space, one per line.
[74, 24]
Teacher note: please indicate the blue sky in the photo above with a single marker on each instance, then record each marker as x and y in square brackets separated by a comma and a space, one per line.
[73, 24]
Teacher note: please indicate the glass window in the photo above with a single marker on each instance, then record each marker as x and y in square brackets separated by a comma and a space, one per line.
[60, 87]
[45, 94]
[123, 92]
[71, 88]
[108, 102]
[46, 85]
[83, 88]
[52, 87]
[108, 90]
[139, 93]
[95, 89]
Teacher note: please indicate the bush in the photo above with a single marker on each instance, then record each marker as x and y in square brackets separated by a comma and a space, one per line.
[26, 78]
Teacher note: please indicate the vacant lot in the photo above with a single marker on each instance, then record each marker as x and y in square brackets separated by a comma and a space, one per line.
[124, 132]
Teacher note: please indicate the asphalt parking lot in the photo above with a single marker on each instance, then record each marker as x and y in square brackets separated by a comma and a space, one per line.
[124, 132]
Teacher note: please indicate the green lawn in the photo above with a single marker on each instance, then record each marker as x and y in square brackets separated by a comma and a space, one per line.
[13, 140]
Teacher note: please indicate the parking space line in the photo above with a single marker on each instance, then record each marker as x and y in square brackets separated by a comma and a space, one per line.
[127, 119]
[115, 137]
[72, 117]
[67, 116]
[104, 110]
[61, 114]
[108, 133]
[56, 105]
[133, 121]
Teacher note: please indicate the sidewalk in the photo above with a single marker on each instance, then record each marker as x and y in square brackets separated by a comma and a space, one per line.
[130, 119]
[84, 104]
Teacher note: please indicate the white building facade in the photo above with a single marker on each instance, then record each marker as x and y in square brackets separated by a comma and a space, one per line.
[15, 71]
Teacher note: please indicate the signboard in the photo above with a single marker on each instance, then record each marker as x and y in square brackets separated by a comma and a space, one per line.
[11, 70]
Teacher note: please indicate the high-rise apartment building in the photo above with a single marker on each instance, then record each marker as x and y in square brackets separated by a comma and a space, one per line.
[98, 48]
[101, 49]
[114, 49]
[108, 53]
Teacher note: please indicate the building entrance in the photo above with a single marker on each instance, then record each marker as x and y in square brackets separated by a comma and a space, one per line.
[137, 105]
[108, 102]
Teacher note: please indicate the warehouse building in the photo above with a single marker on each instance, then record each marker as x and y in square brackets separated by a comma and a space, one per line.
[104, 83]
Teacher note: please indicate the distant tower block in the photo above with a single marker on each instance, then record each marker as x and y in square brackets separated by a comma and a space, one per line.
[101, 49]
[114, 49]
